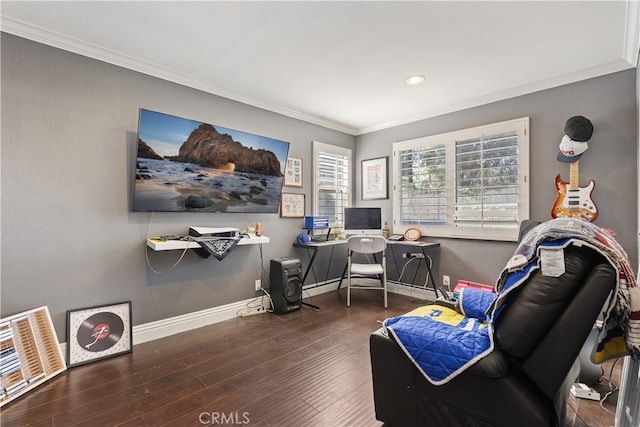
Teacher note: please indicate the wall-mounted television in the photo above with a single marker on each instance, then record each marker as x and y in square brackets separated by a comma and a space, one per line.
[186, 165]
[362, 221]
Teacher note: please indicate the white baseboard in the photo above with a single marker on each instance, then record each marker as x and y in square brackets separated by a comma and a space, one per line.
[421, 293]
[186, 322]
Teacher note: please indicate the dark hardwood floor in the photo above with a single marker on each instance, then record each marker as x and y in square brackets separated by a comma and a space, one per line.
[305, 368]
[589, 413]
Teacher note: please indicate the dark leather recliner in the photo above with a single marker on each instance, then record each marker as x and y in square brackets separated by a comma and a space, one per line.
[525, 381]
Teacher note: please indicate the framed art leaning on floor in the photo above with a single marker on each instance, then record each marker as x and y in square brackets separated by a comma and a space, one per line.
[99, 332]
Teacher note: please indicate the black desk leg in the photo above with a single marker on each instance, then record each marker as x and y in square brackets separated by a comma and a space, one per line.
[433, 282]
[310, 266]
[310, 305]
[344, 271]
[306, 273]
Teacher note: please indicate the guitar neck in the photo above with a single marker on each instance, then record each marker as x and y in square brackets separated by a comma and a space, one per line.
[574, 179]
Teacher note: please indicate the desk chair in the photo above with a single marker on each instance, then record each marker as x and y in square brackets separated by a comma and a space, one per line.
[367, 245]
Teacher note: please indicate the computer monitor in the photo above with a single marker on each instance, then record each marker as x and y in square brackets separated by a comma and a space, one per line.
[362, 221]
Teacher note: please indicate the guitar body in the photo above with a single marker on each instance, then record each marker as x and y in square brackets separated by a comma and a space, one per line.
[574, 201]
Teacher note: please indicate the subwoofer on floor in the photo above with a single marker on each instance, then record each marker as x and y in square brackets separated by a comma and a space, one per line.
[286, 284]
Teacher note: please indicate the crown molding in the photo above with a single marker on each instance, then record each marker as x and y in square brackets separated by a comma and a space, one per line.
[632, 33]
[612, 67]
[60, 41]
[630, 60]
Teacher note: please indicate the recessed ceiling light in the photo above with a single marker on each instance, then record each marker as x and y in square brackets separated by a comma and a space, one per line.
[414, 80]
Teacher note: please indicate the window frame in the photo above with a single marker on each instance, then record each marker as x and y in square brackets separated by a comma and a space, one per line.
[448, 228]
[321, 147]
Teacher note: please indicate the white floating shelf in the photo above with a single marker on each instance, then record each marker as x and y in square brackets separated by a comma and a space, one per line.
[169, 245]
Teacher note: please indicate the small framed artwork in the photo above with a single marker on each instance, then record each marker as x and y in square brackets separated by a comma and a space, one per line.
[293, 172]
[96, 333]
[292, 205]
[375, 184]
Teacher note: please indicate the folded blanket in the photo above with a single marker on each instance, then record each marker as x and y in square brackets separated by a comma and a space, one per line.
[443, 343]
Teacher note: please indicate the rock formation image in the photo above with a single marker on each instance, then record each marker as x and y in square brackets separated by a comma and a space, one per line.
[146, 152]
[209, 172]
[206, 147]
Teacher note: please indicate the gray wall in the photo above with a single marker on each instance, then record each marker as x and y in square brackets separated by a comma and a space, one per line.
[69, 237]
[611, 161]
[70, 240]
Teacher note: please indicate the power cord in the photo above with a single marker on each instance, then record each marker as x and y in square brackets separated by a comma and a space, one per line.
[146, 252]
[253, 308]
[612, 387]
[404, 267]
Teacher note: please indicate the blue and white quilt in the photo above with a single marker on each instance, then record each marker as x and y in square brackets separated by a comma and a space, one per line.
[442, 342]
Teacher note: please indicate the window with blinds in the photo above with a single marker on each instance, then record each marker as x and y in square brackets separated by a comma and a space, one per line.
[332, 181]
[470, 183]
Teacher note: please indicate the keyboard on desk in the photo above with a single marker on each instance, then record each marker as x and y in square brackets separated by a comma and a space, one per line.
[327, 241]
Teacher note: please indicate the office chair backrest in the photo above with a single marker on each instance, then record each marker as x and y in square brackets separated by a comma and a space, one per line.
[367, 244]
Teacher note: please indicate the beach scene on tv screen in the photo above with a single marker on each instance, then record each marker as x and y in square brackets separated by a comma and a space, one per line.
[185, 165]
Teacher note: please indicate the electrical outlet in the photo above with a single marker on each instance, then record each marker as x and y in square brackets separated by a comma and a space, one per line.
[258, 284]
[446, 281]
[412, 255]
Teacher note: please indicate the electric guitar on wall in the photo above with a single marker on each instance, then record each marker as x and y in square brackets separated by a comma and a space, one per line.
[574, 201]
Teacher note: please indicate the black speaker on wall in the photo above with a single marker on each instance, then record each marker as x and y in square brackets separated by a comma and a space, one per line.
[286, 284]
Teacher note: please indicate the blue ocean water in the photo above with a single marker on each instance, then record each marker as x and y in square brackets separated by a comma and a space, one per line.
[165, 185]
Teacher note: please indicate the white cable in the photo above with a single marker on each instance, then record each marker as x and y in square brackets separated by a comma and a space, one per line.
[270, 300]
[612, 388]
[426, 281]
[251, 308]
[146, 252]
[404, 268]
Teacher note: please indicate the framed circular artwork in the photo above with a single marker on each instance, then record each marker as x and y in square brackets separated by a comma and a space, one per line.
[412, 234]
[96, 333]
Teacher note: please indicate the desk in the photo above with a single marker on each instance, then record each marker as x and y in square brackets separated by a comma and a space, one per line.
[312, 249]
[420, 247]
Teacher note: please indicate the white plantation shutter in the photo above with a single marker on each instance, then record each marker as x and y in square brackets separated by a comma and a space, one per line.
[486, 184]
[422, 185]
[332, 181]
[470, 183]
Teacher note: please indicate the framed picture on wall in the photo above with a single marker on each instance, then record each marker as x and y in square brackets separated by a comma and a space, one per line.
[374, 179]
[292, 205]
[96, 333]
[293, 172]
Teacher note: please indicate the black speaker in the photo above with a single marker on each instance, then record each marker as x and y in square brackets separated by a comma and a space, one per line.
[286, 284]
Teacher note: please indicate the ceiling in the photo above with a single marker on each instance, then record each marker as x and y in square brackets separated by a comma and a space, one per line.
[342, 65]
